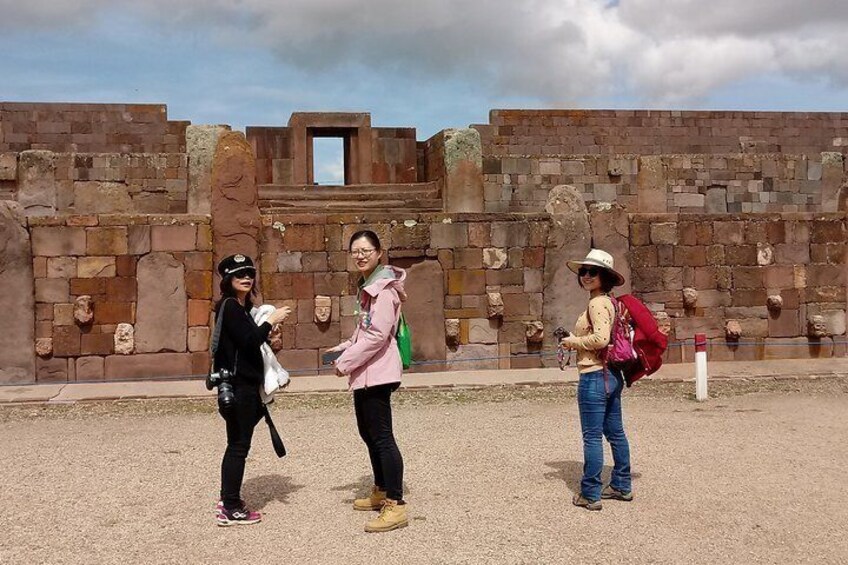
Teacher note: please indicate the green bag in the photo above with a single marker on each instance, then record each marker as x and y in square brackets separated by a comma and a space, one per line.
[404, 342]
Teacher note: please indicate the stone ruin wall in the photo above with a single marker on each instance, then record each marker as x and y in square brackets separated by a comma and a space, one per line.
[486, 271]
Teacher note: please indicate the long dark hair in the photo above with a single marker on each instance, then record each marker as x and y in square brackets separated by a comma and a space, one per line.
[608, 280]
[228, 292]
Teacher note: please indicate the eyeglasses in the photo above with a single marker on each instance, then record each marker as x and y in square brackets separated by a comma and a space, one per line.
[245, 275]
[362, 252]
[588, 272]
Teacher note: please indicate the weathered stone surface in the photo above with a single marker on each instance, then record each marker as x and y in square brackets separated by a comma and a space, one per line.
[569, 238]
[494, 305]
[235, 209]
[816, 326]
[198, 339]
[469, 357]
[425, 308]
[201, 142]
[147, 366]
[323, 309]
[83, 310]
[94, 267]
[58, 241]
[8, 166]
[44, 347]
[716, 201]
[161, 313]
[774, 303]
[534, 331]
[663, 322]
[463, 186]
[494, 258]
[452, 330]
[37, 183]
[765, 254]
[289, 262]
[102, 198]
[482, 330]
[17, 356]
[732, 330]
[53, 370]
[651, 185]
[690, 297]
[124, 339]
[89, 369]
[611, 232]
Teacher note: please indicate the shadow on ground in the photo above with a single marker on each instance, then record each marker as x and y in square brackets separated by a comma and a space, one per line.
[362, 487]
[570, 472]
[259, 491]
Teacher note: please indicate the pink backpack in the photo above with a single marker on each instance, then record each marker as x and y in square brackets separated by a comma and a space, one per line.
[619, 353]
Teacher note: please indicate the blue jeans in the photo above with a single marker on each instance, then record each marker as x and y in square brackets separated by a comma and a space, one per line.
[600, 414]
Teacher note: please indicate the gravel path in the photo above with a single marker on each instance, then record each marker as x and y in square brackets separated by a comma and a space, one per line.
[751, 478]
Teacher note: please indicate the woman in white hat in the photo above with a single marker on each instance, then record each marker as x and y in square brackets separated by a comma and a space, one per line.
[599, 390]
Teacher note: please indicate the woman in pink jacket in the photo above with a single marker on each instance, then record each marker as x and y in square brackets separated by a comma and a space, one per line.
[371, 362]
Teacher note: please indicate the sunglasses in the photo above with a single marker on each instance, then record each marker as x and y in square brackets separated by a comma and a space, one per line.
[588, 271]
[245, 275]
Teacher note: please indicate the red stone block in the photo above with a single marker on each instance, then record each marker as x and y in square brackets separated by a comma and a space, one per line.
[825, 275]
[173, 238]
[304, 238]
[785, 324]
[199, 284]
[58, 241]
[740, 255]
[121, 289]
[747, 277]
[504, 277]
[777, 277]
[125, 265]
[479, 235]
[303, 285]
[277, 286]
[792, 254]
[92, 287]
[748, 297]
[468, 282]
[199, 261]
[89, 369]
[106, 241]
[97, 344]
[299, 360]
[66, 341]
[54, 370]
[729, 232]
[693, 256]
[827, 231]
[330, 284]
[147, 365]
[200, 363]
[516, 305]
[311, 336]
[114, 312]
[534, 257]
[198, 312]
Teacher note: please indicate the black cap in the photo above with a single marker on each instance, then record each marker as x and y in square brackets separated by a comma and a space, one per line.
[235, 264]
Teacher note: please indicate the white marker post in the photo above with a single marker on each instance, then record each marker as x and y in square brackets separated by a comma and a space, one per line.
[701, 367]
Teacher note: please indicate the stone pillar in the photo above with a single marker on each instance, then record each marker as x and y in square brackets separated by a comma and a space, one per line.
[37, 183]
[161, 322]
[17, 343]
[611, 232]
[569, 238]
[425, 310]
[201, 142]
[833, 174]
[235, 204]
[463, 180]
[651, 186]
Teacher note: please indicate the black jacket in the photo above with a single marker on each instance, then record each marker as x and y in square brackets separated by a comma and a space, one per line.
[240, 334]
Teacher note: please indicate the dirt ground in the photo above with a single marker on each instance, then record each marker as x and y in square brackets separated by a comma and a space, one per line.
[755, 475]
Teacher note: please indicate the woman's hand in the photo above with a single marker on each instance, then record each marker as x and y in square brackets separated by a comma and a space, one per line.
[566, 343]
[278, 315]
[339, 373]
[339, 347]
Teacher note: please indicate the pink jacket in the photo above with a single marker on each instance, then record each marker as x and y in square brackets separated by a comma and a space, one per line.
[371, 355]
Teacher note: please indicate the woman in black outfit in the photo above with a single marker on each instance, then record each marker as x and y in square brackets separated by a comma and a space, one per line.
[238, 351]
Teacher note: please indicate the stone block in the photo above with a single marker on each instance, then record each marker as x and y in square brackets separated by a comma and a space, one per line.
[299, 359]
[800, 348]
[173, 238]
[53, 370]
[138, 240]
[479, 234]
[466, 282]
[121, 289]
[516, 305]
[150, 365]
[470, 357]
[198, 339]
[96, 267]
[314, 262]
[533, 280]
[198, 285]
[96, 344]
[448, 236]
[686, 328]
[303, 286]
[113, 312]
[468, 258]
[52, 290]
[510, 234]
[311, 336]
[729, 232]
[92, 287]
[482, 330]
[66, 341]
[199, 312]
[58, 241]
[329, 284]
[664, 233]
[289, 262]
[89, 369]
[785, 324]
[494, 258]
[162, 301]
[106, 241]
[715, 201]
[410, 236]
[8, 166]
[61, 267]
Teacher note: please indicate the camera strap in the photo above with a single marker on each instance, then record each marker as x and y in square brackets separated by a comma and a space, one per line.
[216, 335]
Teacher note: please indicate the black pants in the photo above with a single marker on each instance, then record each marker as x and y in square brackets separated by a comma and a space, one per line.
[374, 419]
[241, 419]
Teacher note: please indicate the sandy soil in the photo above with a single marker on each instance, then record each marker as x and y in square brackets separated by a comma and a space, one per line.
[744, 478]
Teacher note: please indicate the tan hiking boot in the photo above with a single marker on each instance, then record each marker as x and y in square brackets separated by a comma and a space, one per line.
[374, 501]
[578, 500]
[611, 493]
[392, 516]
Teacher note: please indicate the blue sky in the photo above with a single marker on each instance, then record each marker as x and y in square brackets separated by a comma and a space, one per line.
[427, 65]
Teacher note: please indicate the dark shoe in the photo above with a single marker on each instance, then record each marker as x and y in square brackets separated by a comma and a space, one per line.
[238, 517]
[578, 500]
[611, 493]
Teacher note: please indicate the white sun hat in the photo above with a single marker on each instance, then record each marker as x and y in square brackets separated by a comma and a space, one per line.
[598, 258]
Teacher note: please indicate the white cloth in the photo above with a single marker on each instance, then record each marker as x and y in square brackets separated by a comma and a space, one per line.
[275, 376]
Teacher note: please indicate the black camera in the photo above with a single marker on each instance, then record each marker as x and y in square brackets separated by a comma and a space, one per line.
[221, 378]
[560, 333]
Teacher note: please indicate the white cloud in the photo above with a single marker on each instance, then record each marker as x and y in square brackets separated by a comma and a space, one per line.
[558, 51]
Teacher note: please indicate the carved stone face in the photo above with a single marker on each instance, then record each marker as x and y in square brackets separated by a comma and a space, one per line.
[774, 303]
[733, 330]
[452, 330]
[534, 331]
[83, 312]
[690, 297]
[663, 322]
[323, 309]
[816, 326]
[495, 306]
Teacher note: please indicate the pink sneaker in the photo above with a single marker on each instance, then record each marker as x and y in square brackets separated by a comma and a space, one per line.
[220, 507]
[238, 517]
